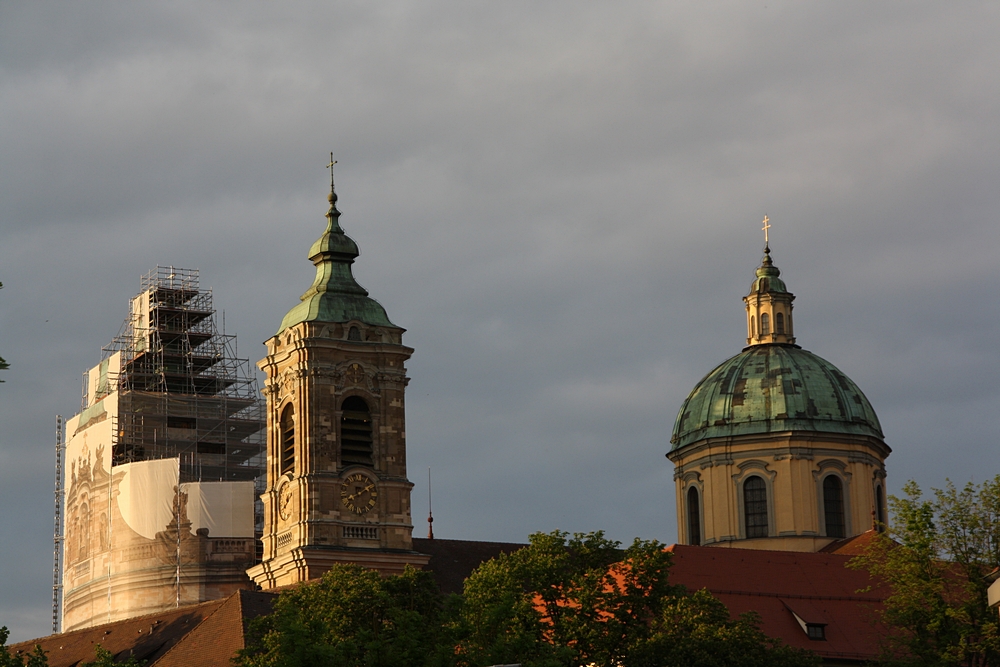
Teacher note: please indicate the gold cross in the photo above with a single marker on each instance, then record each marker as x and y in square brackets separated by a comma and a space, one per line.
[330, 167]
[765, 227]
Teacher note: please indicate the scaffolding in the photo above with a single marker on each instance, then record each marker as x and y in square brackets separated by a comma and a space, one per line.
[57, 539]
[183, 391]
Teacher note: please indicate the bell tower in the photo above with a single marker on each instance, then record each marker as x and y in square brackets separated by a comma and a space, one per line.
[337, 490]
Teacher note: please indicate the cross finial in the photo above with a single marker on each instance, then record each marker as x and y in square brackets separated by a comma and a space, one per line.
[765, 228]
[330, 167]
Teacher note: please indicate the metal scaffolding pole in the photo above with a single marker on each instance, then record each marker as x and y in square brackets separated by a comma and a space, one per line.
[57, 539]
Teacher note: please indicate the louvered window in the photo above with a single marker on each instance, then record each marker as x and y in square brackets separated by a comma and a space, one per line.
[287, 443]
[355, 432]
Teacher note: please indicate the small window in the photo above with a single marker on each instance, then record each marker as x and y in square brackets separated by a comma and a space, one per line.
[779, 323]
[880, 509]
[354, 334]
[765, 324]
[755, 506]
[753, 328]
[287, 443]
[816, 631]
[833, 506]
[355, 432]
[694, 517]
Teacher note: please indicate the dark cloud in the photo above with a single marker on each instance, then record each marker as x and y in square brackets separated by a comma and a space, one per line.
[558, 201]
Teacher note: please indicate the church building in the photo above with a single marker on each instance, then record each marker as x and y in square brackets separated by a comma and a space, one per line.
[776, 448]
[337, 490]
[777, 455]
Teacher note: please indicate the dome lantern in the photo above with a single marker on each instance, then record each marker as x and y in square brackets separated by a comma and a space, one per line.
[769, 303]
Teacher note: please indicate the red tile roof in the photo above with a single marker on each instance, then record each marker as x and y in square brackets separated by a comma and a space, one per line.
[202, 634]
[779, 585]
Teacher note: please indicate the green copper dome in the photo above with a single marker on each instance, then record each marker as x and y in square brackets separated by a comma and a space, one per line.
[772, 389]
[335, 296]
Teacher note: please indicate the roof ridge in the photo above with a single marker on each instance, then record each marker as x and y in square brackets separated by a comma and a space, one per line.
[224, 601]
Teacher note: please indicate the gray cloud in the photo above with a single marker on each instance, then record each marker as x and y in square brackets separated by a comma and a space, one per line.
[558, 201]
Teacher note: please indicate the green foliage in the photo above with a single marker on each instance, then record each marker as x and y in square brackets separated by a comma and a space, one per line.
[560, 602]
[934, 561]
[106, 658]
[353, 617]
[581, 600]
[34, 659]
[696, 631]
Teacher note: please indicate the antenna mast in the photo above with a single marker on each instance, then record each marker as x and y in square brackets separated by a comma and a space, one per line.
[430, 513]
[57, 537]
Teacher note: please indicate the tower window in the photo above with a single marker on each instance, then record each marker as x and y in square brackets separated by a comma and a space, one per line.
[755, 505]
[765, 324]
[779, 323]
[833, 506]
[753, 327]
[694, 518]
[355, 432]
[880, 509]
[287, 444]
[354, 334]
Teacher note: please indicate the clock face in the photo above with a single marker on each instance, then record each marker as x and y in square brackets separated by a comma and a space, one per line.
[285, 501]
[358, 493]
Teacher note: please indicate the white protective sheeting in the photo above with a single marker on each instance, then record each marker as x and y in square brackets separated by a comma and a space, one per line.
[146, 494]
[225, 508]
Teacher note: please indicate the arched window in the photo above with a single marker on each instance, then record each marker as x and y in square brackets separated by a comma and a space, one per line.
[833, 506]
[880, 508]
[755, 505]
[779, 323]
[753, 328]
[355, 432]
[287, 443]
[765, 324]
[694, 518]
[353, 334]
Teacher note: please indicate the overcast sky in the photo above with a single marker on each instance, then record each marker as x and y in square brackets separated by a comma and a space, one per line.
[559, 201]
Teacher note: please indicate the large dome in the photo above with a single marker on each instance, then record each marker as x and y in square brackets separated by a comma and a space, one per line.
[774, 388]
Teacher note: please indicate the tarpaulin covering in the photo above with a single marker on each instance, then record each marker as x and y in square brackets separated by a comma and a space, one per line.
[224, 508]
[146, 494]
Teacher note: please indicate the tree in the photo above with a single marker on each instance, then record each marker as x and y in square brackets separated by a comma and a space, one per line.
[934, 561]
[106, 658]
[34, 659]
[561, 601]
[353, 617]
[696, 631]
[581, 600]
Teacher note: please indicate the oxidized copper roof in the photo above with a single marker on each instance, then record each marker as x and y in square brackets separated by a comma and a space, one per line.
[772, 389]
[335, 296]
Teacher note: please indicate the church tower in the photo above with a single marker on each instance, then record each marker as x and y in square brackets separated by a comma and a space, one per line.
[337, 490]
[776, 448]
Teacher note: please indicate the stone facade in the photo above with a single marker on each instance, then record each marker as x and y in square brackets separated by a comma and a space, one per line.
[794, 468]
[337, 490]
[111, 572]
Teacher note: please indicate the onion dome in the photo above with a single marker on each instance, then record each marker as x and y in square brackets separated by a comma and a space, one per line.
[335, 296]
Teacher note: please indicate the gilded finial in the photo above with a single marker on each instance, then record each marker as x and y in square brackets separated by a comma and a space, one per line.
[767, 247]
